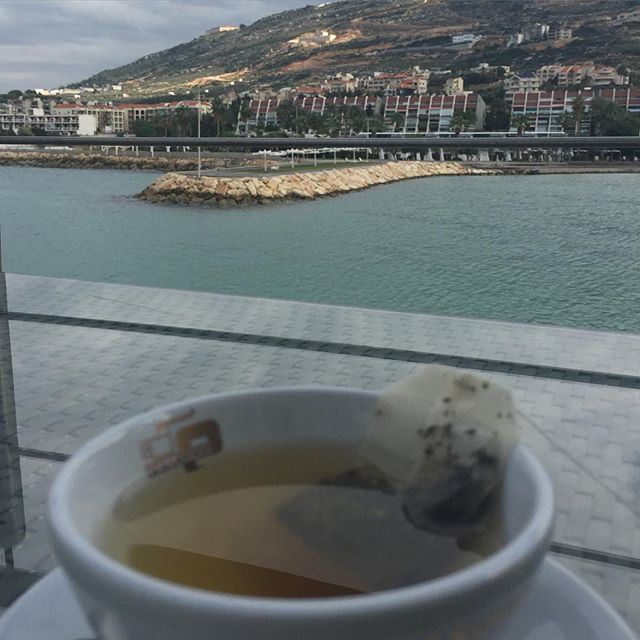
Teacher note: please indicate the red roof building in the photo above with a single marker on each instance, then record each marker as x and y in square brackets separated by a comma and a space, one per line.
[319, 104]
[546, 109]
[430, 113]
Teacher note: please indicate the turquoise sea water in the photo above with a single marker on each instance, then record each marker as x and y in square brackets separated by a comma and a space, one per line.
[547, 249]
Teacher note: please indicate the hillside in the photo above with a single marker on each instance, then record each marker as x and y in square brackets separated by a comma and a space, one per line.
[384, 35]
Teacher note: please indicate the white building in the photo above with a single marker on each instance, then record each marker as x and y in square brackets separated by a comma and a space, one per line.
[464, 38]
[225, 28]
[432, 113]
[595, 74]
[523, 81]
[340, 83]
[317, 38]
[560, 33]
[454, 86]
[535, 32]
[415, 81]
[15, 118]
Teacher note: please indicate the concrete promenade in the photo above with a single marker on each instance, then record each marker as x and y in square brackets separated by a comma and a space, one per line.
[88, 355]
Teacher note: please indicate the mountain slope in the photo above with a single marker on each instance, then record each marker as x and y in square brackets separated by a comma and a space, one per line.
[387, 34]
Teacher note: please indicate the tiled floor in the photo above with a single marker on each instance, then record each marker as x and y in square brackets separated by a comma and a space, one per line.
[523, 343]
[72, 382]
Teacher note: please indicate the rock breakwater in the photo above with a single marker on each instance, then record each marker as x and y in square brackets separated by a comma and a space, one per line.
[265, 189]
[101, 161]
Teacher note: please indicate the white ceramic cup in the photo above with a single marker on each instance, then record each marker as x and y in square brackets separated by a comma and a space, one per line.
[123, 604]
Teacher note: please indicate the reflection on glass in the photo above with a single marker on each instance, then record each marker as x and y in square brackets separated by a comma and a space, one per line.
[12, 523]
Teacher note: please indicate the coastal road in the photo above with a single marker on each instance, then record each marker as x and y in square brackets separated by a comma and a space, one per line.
[414, 144]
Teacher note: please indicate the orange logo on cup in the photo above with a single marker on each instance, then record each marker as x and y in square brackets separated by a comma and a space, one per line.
[182, 446]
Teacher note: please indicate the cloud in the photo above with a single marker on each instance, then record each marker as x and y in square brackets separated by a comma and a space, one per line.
[48, 43]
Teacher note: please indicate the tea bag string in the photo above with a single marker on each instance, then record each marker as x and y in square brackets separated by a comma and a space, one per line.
[612, 492]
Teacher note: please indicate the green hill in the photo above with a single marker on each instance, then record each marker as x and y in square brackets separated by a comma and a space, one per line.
[385, 35]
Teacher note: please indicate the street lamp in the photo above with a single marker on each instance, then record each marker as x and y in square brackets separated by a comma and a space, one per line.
[199, 119]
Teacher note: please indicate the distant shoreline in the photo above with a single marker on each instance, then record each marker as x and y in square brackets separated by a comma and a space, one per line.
[236, 161]
[564, 168]
[57, 160]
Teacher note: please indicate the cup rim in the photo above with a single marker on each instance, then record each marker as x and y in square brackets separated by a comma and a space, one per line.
[100, 570]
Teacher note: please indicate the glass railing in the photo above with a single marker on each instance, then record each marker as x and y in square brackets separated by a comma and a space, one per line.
[78, 357]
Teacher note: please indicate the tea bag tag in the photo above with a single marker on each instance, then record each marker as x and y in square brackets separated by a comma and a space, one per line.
[442, 438]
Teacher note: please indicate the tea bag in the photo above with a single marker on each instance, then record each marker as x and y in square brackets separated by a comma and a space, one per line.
[418, 503]
[441, 439]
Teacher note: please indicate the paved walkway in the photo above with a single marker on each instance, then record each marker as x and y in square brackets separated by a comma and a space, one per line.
[88, 355]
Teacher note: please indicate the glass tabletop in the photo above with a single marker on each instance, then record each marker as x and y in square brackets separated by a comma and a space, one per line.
[78, 357]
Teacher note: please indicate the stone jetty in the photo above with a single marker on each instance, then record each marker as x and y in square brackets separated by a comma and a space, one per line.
[101, 161]
[265, 189]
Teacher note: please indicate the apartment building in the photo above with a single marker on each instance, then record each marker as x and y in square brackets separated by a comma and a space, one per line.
[535, 32]
[308, 90]
[35, 115]
[320, 104]
[464, 41]
[518, 82]
[432, 113]
[464, 38]
[545, 109]
[340, 83]
[261, 112]
[109, 118]
[132, 113]
[390, 84]
[559, 33]
[454, 86]
[121, 118]
[595, 74]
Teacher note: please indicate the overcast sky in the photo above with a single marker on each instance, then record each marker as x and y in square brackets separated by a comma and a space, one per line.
[48, 43]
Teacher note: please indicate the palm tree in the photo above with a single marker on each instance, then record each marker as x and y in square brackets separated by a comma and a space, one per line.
[568, 122]
[578, 110]
[462, 120]
[399, 121]
[184, 119]
[521, 123]
[287, 115]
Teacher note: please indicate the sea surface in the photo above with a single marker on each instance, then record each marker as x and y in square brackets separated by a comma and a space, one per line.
[561, 250]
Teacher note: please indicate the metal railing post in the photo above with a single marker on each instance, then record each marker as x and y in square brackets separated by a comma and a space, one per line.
[12, 523]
